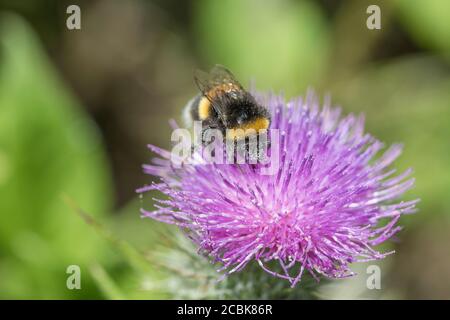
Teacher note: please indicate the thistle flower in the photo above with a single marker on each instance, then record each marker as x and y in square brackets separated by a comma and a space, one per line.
[331, 201]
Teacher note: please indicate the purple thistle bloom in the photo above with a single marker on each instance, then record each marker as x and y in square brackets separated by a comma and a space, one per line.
[330, 202]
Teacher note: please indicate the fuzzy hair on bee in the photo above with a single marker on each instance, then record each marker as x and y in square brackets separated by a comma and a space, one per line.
[224, 104]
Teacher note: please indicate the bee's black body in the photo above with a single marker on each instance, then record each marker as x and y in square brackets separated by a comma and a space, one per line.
[224, 104]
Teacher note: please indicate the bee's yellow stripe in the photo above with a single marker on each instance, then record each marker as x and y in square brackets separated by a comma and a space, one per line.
[245, 130]
[203, 108]
[204, 105]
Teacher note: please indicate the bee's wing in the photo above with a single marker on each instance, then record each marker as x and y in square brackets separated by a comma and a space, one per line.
[218, 77]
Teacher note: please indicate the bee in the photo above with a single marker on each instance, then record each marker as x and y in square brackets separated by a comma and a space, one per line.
[224, 104]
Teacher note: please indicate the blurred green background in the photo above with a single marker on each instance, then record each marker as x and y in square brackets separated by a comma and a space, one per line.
[77, 108]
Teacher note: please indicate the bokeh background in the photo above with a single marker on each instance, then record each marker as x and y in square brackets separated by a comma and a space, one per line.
[77, 109]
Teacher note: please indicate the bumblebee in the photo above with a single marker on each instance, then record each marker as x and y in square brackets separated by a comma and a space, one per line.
[224, 104]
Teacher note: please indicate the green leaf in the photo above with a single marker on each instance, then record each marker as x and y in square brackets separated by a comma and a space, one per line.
[106, 284]
[140, 277]
[48, 147]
